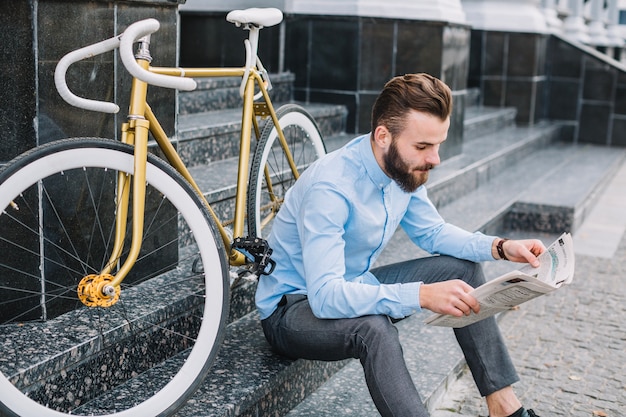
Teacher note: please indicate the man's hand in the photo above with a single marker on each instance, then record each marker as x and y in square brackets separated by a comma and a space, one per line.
[525, 250]
[448, 297]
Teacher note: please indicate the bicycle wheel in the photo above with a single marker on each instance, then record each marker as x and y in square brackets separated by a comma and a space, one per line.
[146, 353]
[306, 145]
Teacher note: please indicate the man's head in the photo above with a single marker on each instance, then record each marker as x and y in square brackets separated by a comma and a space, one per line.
[410, 120]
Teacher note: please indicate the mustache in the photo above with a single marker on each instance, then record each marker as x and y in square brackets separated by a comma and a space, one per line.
[426, 167]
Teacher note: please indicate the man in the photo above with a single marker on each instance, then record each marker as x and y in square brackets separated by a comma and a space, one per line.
[323, 301]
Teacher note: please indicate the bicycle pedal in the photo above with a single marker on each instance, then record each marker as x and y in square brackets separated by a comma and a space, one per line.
[257, 251]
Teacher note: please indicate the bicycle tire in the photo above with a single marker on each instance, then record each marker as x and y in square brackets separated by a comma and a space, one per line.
[306, 145]
[59, 356]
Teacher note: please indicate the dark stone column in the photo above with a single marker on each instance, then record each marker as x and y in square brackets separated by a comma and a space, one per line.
[34, 35]
[17, 79]
[344, 59]
[509, 68]
[347, 60]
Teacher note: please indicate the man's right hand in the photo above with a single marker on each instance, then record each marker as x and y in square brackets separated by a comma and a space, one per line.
[449, 297]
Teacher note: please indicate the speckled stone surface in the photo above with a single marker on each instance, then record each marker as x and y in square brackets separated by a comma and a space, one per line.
[563, 203]
[219, 93]
[248, 379]
[99, 352]
[209, 121]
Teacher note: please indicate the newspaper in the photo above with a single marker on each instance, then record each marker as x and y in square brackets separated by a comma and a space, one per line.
[517, 287]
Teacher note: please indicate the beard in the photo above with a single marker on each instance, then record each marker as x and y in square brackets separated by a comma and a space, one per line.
[408, 179]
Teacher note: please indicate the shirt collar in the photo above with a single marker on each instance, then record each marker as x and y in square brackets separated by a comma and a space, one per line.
[375, 172]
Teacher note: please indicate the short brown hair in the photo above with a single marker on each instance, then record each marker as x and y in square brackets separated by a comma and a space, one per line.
[420, 92]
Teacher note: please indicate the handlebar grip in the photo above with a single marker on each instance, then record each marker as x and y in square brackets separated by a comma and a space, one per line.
[134, 32]
[75, 56]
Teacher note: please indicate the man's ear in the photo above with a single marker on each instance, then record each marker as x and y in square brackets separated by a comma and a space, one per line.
[382, 137]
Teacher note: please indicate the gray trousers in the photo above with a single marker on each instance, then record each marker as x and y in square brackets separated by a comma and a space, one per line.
[294, 331]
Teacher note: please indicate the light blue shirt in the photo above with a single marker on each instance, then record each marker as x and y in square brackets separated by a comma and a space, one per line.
[335, 222]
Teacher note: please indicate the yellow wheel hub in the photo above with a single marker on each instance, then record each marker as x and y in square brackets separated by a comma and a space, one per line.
[97, 291]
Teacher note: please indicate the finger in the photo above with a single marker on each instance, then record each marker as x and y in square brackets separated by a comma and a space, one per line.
[538, 248]
[472, 304]
[459, 306]
[462, 308]
[453, 310]
[524, 253]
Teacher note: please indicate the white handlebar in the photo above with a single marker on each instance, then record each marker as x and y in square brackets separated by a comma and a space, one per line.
[75, 56]
[129, 37]
[125, 42]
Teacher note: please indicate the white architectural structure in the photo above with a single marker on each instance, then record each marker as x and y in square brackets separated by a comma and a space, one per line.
[506, 15]
[585, 21]
[436, 10]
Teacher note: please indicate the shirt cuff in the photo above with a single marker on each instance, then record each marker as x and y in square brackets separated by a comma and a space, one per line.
[484, 245]
[410, 298]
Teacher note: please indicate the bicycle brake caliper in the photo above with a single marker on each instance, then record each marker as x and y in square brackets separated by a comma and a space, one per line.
[257, 251]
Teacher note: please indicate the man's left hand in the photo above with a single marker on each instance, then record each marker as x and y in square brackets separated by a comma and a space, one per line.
[525, 250]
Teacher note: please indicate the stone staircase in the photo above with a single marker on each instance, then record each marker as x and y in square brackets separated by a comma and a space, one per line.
[507, 178]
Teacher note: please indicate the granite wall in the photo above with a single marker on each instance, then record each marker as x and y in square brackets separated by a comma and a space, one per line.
[510, 70]
[35, 34]
[589, 90]
[546, 77]
[342, 60]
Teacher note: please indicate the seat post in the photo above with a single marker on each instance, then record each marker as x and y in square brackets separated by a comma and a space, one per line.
[253, 38]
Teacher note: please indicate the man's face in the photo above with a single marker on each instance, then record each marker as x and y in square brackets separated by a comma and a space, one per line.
[415, 151]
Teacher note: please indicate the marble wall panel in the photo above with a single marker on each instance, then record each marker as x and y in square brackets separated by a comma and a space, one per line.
[17, 79]
[33, 113]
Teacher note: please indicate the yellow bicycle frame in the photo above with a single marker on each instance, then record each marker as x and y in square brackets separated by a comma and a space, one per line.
[142, 120]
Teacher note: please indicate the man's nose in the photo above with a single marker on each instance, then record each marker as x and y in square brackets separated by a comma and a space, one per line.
[433, 156]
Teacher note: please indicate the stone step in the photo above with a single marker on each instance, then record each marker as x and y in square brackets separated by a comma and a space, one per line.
[214, 135]
[209, 121]
[346, 394]
[563, 198]
[220, 93]
[247, 379]
[487, 157]
[481, 120]
[217, 178]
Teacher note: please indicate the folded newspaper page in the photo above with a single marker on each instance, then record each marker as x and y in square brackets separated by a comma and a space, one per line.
[517, 287]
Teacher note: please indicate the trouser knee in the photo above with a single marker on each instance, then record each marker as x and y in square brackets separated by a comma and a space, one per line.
[470, 272]
[376, 334]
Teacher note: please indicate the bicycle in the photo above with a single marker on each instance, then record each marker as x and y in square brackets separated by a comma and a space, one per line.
[112, 258]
